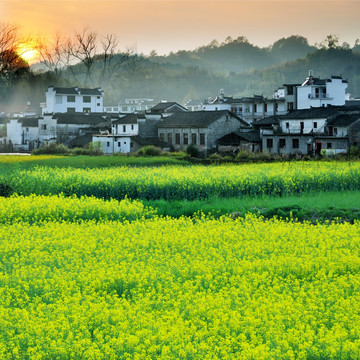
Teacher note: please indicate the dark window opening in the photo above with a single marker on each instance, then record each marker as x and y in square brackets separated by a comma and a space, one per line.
[193, 139]
[295, 143]
[202, 139]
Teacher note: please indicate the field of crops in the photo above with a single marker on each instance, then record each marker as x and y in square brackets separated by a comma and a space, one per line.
[103, 277]
[183, 182]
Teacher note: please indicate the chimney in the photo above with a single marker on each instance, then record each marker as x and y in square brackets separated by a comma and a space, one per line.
[221, 96]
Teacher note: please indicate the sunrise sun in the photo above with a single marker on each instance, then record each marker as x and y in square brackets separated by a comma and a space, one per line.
[27, 52]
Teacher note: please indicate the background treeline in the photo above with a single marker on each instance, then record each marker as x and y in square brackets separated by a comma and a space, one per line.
[236, 65]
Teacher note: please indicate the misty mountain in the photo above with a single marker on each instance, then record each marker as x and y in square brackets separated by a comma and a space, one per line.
[240, 68]
[238, 55]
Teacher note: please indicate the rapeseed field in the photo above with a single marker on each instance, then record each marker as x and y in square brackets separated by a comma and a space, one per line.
[88, 274]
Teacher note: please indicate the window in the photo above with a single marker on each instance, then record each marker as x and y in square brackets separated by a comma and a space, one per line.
[86, 110]
[98, 97]
[108, 143]
[162, 136]
[269, 143]
[301, 126]
[27, 129]
[276, 107]
[124, 108]
[290, 90]
[335, 131]
[58, 99]
[177, 138]
[43, 127]
[97, 104]
[118, 143]
[71, 98]
[132, 127]
[282, 143]
[70, 110]
[290, 106]
[287, 125]
[186, 138]
[131, 144]
[295, 143]
[193, 139]
[329, 145]
[255, 108]
[87, 99]
[315, 125]
[265, 108]
[202, 139]
[124, 128]
[108, 109]
[170, 138]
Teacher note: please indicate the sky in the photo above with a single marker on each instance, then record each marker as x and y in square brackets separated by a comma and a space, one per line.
[172, 25]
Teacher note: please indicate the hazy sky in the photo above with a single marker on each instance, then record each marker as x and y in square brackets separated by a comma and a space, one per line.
[171, 25]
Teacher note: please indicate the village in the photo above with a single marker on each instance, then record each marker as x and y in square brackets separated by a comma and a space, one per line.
[316, 116]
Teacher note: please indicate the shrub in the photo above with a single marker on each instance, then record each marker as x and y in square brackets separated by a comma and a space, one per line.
[149, 150]
[192, 151]
[52, 149]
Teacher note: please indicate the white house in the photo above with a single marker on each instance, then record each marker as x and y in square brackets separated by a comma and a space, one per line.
[125, 126]
[64, 127]
[22, 133]
[62, 100]
[316, 92]
[135, 105]
[248, 108]
[123, 130]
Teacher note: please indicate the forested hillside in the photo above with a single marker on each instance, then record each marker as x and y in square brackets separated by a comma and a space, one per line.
[237, 66]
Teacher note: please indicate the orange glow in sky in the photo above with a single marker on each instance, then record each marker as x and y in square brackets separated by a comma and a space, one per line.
[27, 52]
[172, 25]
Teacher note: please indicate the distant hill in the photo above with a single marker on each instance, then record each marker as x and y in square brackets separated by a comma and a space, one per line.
[235, 65]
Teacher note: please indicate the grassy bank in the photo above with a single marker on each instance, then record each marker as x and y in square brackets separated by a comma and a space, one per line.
[311, 206]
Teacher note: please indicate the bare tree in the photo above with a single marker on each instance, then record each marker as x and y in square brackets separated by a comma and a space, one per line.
[82, 48]
[53, 54]
[111, 58]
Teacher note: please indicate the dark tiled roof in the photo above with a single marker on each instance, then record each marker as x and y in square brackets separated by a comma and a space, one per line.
[65, 91]
[251, 136]
[90, 92]
[163, 106]
[200, 119]
[29, 122]
[127, 119]
[77, 91]
[78, 118]
[355, 126]
[106, 124]
[343, 119]
[236, 136]
[81, 141]
[267, 121]
[312, 113]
